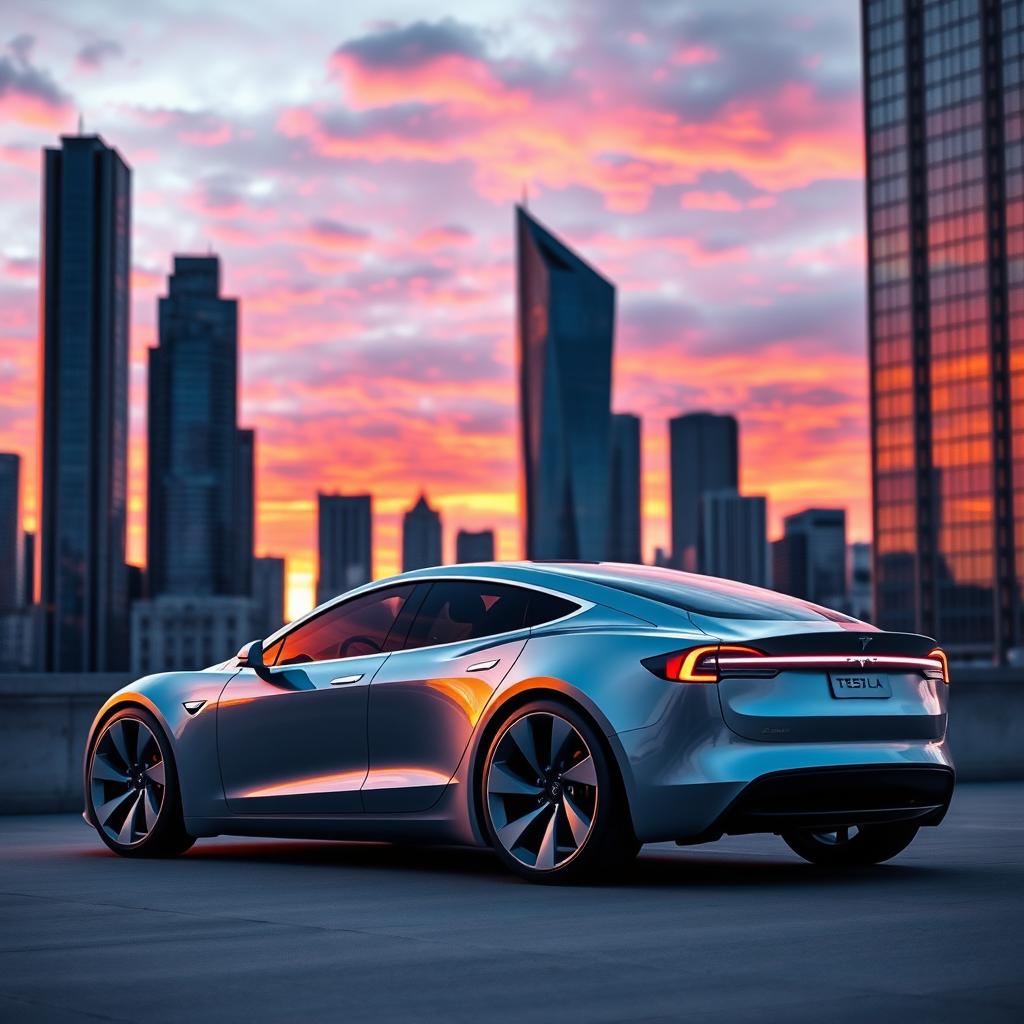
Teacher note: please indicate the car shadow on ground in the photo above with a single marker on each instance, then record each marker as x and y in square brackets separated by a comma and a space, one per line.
[656, 867]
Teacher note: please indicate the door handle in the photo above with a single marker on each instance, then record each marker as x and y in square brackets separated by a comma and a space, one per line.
[343, 680]
[482, 666]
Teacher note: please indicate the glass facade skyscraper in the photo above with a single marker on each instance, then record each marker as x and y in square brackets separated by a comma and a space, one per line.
[84, 453]
[566, 314]
[199, 537]
[943, 117]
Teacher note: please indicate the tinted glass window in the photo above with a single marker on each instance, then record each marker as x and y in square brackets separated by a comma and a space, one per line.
[457, 610]
[355, 627]
[546, 608]
[706, 595]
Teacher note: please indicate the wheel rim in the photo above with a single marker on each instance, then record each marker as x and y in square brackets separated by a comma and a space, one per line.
[127, 781]
[542, 791]
[838, 837]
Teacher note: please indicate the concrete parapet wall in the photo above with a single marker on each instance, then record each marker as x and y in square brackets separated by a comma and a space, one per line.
[44, 720]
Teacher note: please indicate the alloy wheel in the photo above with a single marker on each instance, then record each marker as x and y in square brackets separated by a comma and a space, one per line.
[127, 781]
[542, 790]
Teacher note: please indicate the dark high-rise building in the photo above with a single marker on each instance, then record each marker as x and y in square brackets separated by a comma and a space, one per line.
[624, 512]
[474, 546]
[734, 543]
[200, 531]
[944, 119]
[245, 508]
[345, 535]
[809, 561]
[704, 457]
[28, 568]
[268, 575]
[566, 314]
[86, 273]
[421, 536]
[11, 584]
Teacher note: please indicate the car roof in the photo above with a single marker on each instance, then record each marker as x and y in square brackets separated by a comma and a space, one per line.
[684, 591]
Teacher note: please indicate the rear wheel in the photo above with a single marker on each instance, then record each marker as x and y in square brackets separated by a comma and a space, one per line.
[853, 845]
[553, 806]
[132, 788]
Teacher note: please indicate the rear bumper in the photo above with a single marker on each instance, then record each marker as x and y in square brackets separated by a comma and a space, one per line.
[725, 784]
[825, 798]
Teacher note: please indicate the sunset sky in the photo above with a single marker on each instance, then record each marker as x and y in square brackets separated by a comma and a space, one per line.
[356, 166]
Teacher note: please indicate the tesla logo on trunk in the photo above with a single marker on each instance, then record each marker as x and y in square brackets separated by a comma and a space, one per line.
[864, 641]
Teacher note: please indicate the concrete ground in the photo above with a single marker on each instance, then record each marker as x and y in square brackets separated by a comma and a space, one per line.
[248, 930]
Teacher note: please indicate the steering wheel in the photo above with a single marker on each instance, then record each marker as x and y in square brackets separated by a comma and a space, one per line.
[352, 640]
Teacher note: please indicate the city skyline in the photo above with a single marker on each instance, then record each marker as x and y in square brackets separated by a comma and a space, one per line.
[300, 211]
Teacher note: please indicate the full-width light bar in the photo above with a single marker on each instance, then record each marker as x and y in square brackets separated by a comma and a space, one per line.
[708, 663]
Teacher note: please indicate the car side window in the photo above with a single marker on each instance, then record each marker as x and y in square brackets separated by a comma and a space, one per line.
[546, 608]
[356, 627]
[456, 610]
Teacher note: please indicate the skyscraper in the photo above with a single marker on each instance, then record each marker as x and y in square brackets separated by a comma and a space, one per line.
[704, 456]
[734, 542]
[566, 320]
[86, 273]
[200, 464]
[268, 574]
[944, 119]
[28, 568]
[810, 558]
[11, 585]
[624, 501]
[421, 536]
[474, 546]
[245, 508]
[345, 535]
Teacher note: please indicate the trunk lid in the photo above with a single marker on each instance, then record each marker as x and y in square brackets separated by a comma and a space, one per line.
[832, 682]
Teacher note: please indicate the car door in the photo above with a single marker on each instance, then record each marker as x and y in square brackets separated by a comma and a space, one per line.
[297, 743]
[426, 700]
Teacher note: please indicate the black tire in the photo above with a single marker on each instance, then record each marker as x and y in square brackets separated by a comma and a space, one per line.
[610, 843]
[871, 844]
[167, 836]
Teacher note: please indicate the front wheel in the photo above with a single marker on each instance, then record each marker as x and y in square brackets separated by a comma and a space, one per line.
[132, 788]
[853, 845]
[553, 806]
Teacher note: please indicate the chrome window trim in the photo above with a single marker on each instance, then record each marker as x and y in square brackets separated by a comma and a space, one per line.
[583, 606]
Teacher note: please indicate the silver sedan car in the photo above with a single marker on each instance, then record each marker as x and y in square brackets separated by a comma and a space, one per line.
[561, 713]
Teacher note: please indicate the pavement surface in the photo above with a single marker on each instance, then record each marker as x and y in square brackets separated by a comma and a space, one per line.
[250, 930]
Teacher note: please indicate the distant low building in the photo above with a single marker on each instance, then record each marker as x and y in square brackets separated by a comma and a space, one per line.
[858, 562]
[174, 631]
[474, 546]
[733, 538]
[19, 640]
[809, 561]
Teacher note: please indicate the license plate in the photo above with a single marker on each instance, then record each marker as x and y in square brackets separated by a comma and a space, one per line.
[860, 685]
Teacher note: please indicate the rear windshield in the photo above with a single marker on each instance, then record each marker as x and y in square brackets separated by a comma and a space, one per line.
[704, 595]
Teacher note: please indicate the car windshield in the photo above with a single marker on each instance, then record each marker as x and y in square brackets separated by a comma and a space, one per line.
[702, 595]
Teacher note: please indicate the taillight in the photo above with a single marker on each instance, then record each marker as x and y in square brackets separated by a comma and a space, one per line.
[941, 671]
[696, 665]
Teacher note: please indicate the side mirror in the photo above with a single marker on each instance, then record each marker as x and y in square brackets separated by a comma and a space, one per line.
[251, 656]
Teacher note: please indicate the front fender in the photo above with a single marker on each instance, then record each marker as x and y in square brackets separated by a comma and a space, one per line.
[193, 738]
